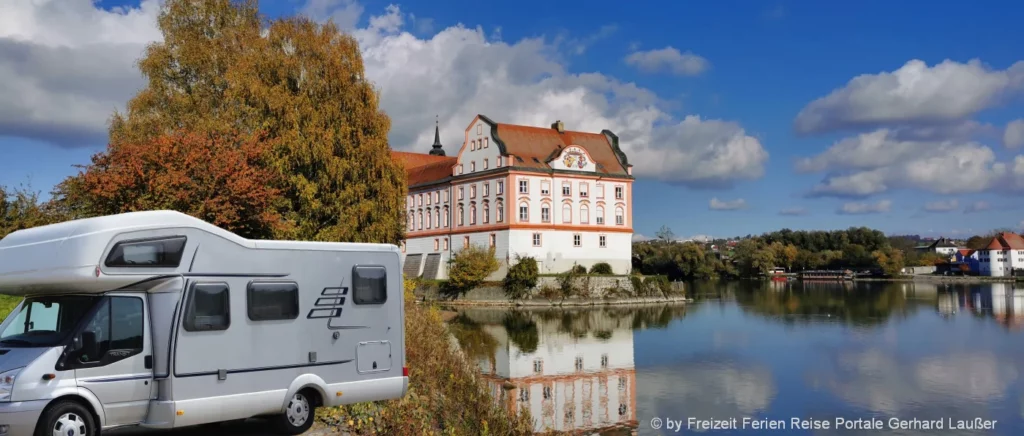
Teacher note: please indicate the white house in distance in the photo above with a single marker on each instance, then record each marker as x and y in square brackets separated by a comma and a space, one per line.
[1002, 255]
[560, 196]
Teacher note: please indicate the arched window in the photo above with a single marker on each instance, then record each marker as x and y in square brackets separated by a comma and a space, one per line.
[487, 213]
[462, 215]
[500, 212]
[447, 222]
[584, 214]
[545, 213]
[437, 217]
[524, 212]
[599, 217]
[430, 219]
[420, 224]
[620, 216]
[412, 220]
[472, 214]
[566, 213]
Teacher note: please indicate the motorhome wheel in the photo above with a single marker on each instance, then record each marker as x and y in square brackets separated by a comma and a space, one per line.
[66, 418]
[298, 416]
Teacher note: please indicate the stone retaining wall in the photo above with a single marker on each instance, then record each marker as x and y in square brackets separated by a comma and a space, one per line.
[598, 288]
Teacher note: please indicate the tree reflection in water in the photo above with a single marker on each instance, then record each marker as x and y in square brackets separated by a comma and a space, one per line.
[859, 304]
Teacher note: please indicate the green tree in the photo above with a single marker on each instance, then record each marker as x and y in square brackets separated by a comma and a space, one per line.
[222, 68]
[521, 277]
[468, 269]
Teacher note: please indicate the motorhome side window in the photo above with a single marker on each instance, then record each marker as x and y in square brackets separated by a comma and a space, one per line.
[273, 301]
[154, 252]
[209, 308]
[117, 325]
[370, 285]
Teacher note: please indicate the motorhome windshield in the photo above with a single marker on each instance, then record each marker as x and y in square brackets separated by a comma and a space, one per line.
[45, 321]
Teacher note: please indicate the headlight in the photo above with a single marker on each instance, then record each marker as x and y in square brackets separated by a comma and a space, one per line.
[7, 380]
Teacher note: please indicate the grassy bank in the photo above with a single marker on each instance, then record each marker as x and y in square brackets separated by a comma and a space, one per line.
[446, 394]
[7, 304]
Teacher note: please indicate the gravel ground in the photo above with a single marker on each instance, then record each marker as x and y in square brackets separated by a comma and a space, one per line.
[252, 427]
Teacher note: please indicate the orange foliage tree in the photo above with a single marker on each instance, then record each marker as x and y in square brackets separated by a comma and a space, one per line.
[219, 178]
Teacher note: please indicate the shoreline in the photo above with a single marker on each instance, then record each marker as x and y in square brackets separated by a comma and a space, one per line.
[640, 301]
[948, 279]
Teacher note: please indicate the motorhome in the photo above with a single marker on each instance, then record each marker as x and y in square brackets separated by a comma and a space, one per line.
[161, 320]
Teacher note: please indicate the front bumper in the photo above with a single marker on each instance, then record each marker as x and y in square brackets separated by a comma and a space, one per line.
[20, 418]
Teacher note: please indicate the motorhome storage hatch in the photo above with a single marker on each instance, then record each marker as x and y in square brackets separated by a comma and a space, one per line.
[161, 320]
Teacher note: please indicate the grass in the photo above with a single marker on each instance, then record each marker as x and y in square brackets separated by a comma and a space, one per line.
[446, 394]
[7, 304]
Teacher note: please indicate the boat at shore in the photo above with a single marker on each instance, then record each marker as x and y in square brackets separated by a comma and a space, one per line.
[826, 275]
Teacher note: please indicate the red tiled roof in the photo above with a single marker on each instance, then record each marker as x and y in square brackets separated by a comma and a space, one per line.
[536, 145]
[965, 252]
[1006, 241]
[423, 168]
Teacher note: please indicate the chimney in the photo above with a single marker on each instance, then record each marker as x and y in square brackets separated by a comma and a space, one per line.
[558, 126]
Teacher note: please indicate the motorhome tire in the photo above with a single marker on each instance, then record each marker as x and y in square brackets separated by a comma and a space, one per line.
[66, 418]
[299, 414]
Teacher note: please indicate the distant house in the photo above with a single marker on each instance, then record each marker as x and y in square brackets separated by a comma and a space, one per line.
[1003, 255]
[968, 259]
[942, 246]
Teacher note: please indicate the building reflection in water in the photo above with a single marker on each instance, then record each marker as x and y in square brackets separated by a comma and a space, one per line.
[1004, 302]
[574, 370]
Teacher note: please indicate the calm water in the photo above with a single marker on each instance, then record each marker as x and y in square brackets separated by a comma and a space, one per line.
[907, 351]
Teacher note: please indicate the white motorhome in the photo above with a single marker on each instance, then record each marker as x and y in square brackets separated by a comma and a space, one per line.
[161, 320]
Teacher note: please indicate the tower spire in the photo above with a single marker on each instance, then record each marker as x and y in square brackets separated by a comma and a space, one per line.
[437, 149]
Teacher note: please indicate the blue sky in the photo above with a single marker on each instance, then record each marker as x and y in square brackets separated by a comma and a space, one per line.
[745, 69]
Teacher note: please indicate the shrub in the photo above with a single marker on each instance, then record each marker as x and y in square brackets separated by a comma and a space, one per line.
[601, 268]
[521, 278]
[469, 268]
[446, 394]
[660, 284]
[578, 269]
[568, 281]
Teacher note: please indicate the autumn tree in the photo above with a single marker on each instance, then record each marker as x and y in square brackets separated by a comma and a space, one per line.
[223, 69]
[220, 178]
[890, 260]
[468, 269]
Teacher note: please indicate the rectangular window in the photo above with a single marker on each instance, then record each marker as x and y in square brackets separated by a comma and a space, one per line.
[430, 198]
[599, 219]
[486, 142]
[487, 163]
[446, 244]
[472, 166]
[487, 189]
[618, 193]
[437, 196]
[498, 162]
[603, 240]
[162, 252]
[209, 307]
[117, 325]
[269, 301]
[604, 361]
[584, 190]
[577, 240]
[579, 363]
[501, 187]
[494, 240]
[545, 187]
[524, 186]
[524, 213]
[479, 129]
[465, 242]
[600, 190]
[538, 366]
[462, 192]
[369, 285]
[536, 239]
[437, 243]
[545, 214]
[419, 200]
[472, 191]
[566, 189]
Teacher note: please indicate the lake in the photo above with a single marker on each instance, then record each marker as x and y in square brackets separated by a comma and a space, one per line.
[870, 358]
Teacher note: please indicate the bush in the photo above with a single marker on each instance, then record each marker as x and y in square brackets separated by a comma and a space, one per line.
[601, 268]
[468, 269]
[446, 394]
[578, 269]
[521, 278]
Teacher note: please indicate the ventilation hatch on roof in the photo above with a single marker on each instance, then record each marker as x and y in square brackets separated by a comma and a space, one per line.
[520, 159]
[535, 160]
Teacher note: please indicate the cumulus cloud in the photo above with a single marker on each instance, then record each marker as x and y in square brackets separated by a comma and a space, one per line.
[941, 206]
[1013, 136]
[716, 204]
[793, 211]
[913, 94]
[668, 59]
[881, 206]
[977, 206]
[64, 69]
[66, 66]
[874, 162]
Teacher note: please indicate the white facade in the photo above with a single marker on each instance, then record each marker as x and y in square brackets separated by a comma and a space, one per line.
[1000, 263]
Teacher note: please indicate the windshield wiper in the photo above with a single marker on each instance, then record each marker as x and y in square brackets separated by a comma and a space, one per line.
[16, 342]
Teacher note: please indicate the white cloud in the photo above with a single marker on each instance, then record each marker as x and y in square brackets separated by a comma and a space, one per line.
[1013, 136]
[668, 59]
[865, 208]
[640, 238]
[942, 205]
[716, 204]
[875, 162]
[793, 211]
[914, 94]
[977, 206]
[65, 67]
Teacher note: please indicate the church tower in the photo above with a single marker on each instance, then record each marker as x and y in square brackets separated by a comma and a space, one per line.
[437, 149]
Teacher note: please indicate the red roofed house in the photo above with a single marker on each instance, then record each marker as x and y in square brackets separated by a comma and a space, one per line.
[1002, 256]
[560, 196]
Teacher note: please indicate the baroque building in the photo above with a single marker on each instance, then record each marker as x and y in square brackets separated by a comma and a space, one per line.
[559, 196]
